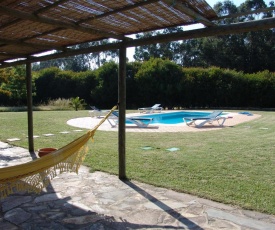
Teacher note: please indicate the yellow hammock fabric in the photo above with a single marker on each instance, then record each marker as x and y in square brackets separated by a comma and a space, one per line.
[35, 175]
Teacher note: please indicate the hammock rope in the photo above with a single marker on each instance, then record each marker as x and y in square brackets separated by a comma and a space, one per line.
[35, 175]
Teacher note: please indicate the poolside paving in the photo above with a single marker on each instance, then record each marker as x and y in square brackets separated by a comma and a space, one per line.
[232, 119]
[101, 201]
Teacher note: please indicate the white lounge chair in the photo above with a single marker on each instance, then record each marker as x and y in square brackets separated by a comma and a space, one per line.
[96, 112]
[214, 116]
[150, 109]
[138, 121]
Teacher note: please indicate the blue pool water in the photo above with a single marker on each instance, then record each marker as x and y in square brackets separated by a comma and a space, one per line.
[173, 118]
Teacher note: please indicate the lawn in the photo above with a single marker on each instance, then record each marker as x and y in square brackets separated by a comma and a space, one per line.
[231, 165]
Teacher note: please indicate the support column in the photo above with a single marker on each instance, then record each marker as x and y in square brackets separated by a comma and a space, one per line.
[122, 110]
[29, 104]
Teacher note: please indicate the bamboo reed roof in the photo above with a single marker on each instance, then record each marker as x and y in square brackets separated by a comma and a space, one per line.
[31, 27]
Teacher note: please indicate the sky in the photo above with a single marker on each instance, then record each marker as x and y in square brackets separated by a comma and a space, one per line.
[236, 2]
[213, 2]
[131, 51]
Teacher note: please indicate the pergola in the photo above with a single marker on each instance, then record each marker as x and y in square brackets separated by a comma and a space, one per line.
[29, 28]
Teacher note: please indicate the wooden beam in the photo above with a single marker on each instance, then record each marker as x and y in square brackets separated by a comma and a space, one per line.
[12, 55]
[189, 12]
[32, 45]
[100, 48]
[263, 24]
[54, 22]
[10, 23]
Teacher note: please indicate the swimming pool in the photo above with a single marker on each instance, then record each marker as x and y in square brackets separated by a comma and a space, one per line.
[173, 118]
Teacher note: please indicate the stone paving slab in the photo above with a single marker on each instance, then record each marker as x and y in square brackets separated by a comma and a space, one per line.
[13, 139]
[12, 155]
[48, 134]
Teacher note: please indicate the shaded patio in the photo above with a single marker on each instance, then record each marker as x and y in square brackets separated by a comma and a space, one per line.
[99, 200]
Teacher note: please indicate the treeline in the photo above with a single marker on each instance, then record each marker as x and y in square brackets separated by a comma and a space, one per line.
[249, 52]
[149, 82]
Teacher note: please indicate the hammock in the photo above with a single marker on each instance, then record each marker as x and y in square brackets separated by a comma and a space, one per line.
[35, 175]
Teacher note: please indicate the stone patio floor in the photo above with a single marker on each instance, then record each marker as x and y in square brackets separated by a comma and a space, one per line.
[101, 201]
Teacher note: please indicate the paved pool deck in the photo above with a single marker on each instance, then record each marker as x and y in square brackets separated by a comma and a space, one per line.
[232, 119]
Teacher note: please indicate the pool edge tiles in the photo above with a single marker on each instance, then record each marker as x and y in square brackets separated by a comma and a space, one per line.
[89, 123]
[171, 118]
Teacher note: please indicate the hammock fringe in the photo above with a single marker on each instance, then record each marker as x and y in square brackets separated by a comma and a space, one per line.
[35, 175]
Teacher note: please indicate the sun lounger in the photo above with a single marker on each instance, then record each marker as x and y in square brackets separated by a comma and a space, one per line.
[214, 116]
[152, 109]
[141, 122]
[96, 112]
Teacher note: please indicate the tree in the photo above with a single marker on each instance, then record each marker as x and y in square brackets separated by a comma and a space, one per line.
[75, 63]
[249, 52]
[99, 58]
[105, 93]
[53, 83]
[4, 93]
[260, 45]
[162, 50]
[14, 84]
[132, 85]
[158, 81]
[189, 53]
[82, 62]
[226, 7]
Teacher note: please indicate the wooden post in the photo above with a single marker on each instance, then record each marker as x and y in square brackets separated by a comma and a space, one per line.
[122, 110]
[29, 104]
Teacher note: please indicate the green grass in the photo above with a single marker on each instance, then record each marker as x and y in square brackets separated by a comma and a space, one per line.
[231, 165]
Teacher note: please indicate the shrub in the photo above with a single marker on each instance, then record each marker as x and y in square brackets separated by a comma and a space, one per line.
[77, 103]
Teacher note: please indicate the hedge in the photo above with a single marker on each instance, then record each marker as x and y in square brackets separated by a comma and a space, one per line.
[157, 81]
